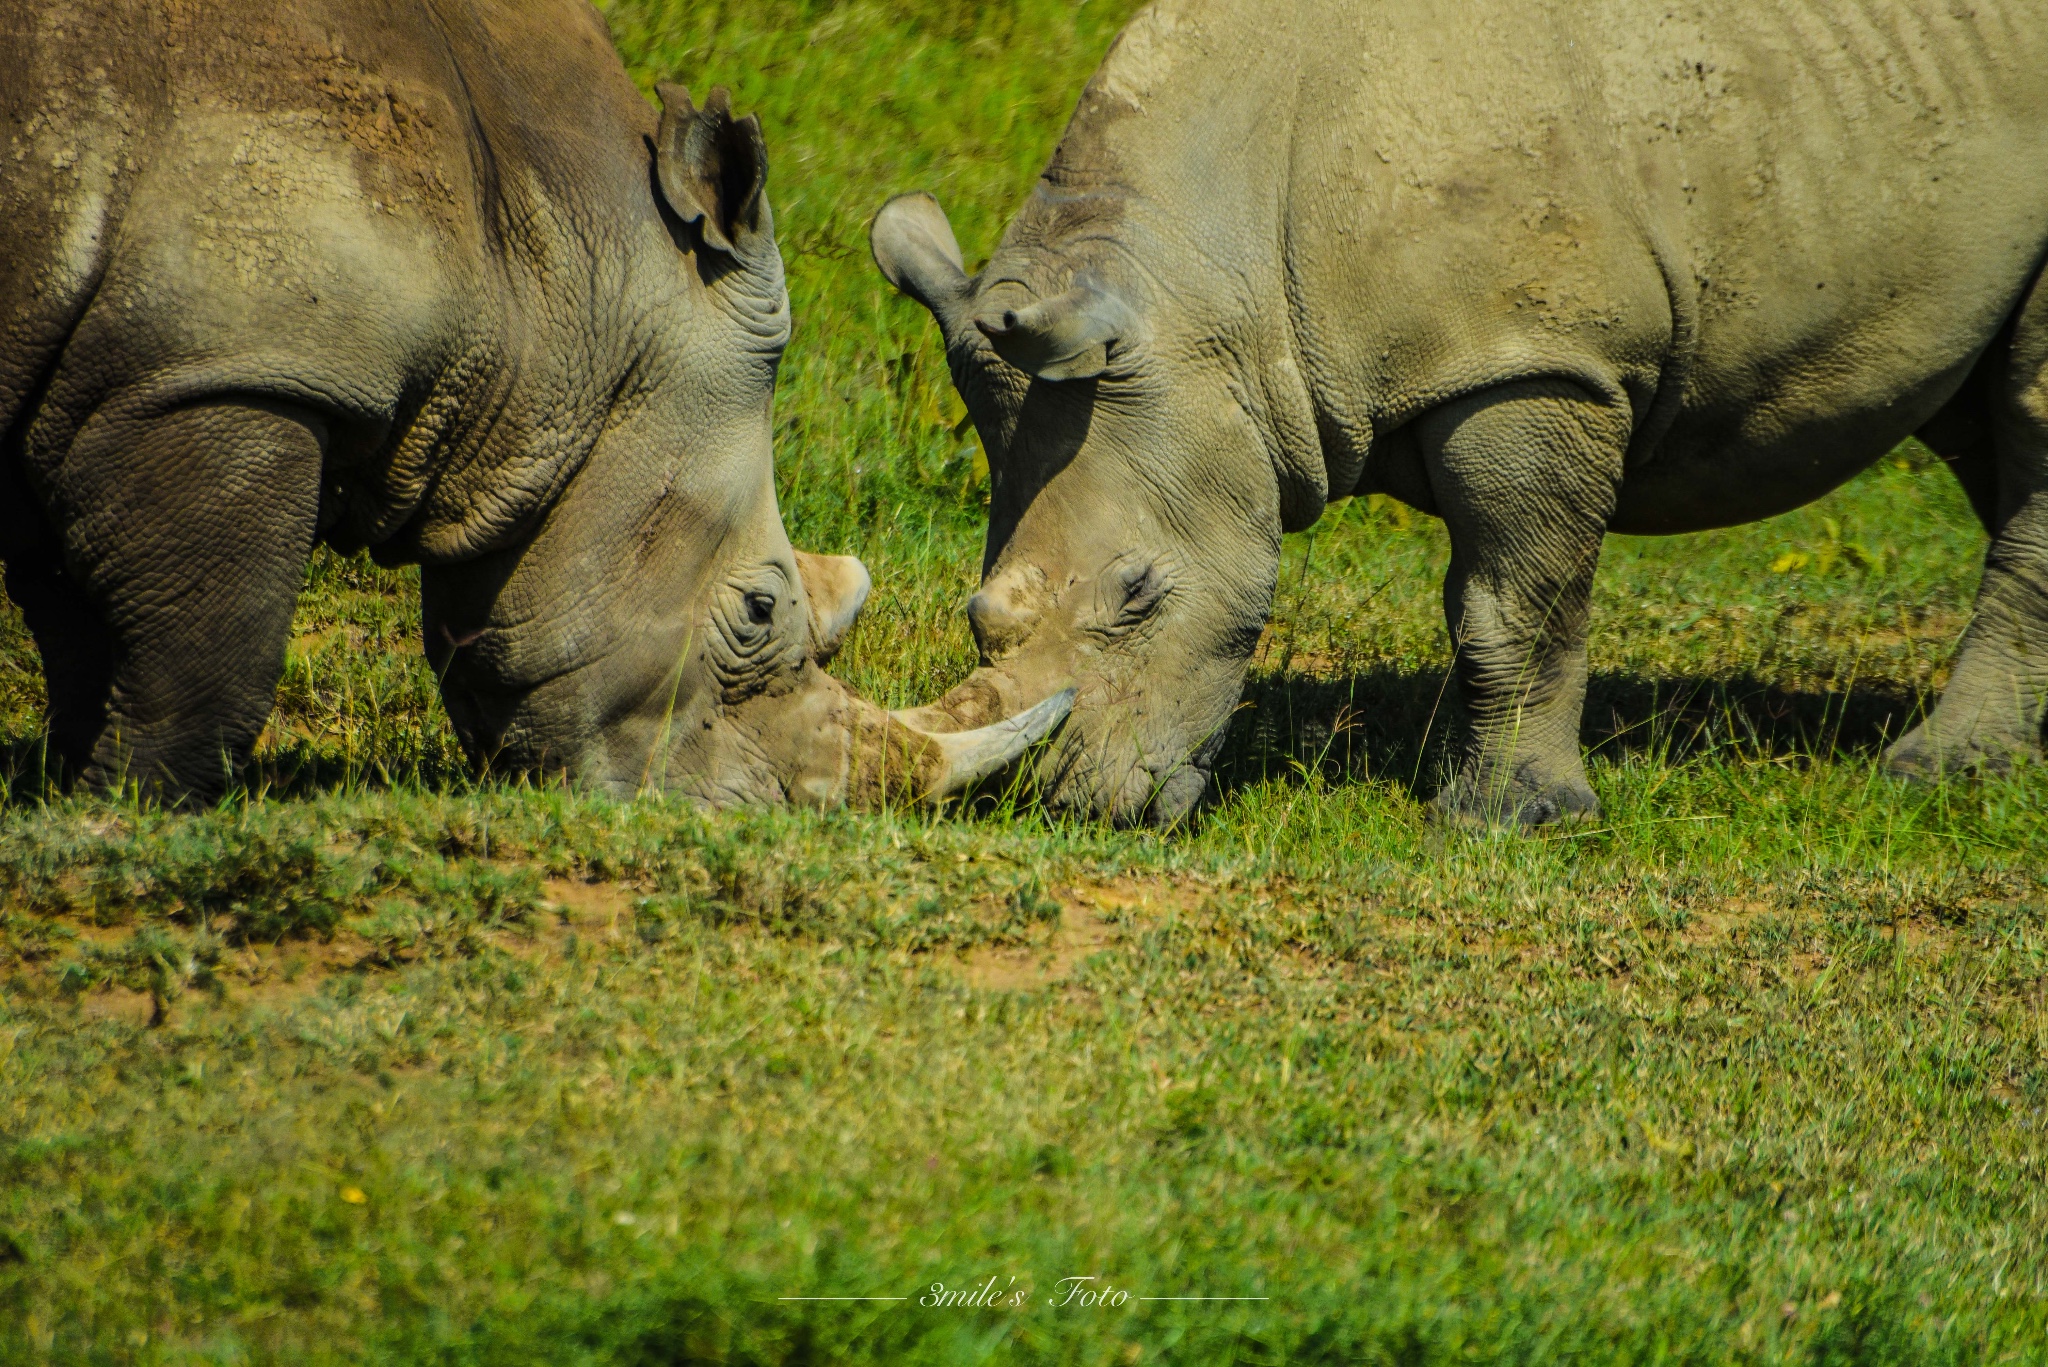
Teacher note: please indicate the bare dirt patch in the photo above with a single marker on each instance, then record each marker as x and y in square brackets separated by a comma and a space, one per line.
[119, 1004]
[1081, 932]
[1712, 925]
[279, 975]
[1092, 918]
[584, 908]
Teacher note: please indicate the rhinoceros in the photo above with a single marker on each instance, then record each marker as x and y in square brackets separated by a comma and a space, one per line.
[427, 277]
[1543, 270]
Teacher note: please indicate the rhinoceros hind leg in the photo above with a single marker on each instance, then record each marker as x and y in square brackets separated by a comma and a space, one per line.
[1989, 717]
[77, 654]
[1525, 476]
[189, 533]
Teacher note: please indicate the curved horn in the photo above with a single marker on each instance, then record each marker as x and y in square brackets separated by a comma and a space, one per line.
[976, 700]
[889, 759]
[968, 757]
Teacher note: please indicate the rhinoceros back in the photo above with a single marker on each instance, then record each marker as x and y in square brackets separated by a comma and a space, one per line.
[1783, 228]
[374, 208]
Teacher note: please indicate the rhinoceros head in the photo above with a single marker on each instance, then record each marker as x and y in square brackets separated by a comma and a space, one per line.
[656, 629]
[1127, 555]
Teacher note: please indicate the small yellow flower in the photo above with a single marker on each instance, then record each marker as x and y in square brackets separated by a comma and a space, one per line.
[354, 1196]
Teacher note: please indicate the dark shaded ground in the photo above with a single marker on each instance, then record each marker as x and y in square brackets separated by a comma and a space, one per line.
[1390, 724]
[31, 773]
[1398, 725]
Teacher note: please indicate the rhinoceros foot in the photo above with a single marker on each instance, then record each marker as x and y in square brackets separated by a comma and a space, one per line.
[1524, 798]
[1924, 757]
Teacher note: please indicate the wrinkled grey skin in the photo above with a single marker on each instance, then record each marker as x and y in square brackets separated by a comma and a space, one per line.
[425, 276]
[1545, 270]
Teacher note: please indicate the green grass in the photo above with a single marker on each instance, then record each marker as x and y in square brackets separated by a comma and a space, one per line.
[1751, 1071]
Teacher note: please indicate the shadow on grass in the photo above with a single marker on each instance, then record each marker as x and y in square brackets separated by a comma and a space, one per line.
[1399, 725]
[29, 773]
[1387, 724]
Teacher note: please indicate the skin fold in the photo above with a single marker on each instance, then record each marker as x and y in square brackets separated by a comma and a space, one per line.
[427, 277]
[1544, 270]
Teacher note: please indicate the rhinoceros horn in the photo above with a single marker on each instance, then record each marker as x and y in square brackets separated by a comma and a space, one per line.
[892, 758]
[971, 756]
[1066, 337]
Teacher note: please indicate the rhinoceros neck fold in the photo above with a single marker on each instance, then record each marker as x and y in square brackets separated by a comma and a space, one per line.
[502, 426]
[556, 334]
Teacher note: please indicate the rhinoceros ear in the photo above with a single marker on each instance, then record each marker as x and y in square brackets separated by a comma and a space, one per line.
[713, 169]
[1066, 337]
[913, 244]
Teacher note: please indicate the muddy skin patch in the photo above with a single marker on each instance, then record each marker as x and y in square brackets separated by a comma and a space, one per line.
[888, 764]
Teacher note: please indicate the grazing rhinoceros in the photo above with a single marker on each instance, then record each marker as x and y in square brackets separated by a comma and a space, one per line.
[1545, 270]
[424, 276]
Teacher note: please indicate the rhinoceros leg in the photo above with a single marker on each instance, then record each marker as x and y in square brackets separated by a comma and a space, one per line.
[77, 655]
[1525, 477]
[1990, 715]
[188, 532]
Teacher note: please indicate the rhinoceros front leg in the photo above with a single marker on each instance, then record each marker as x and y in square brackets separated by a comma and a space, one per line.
[188, 533]
[1990, 715]
[1525, 477]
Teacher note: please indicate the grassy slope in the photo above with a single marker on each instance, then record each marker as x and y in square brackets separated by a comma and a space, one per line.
[1753, 1071]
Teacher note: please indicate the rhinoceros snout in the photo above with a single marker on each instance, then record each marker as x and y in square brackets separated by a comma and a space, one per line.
[1176, 796]
[1125, 795]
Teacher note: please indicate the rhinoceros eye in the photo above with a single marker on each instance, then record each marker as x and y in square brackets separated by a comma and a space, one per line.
[1129, 598]
[761, 608]
[1143, 588]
